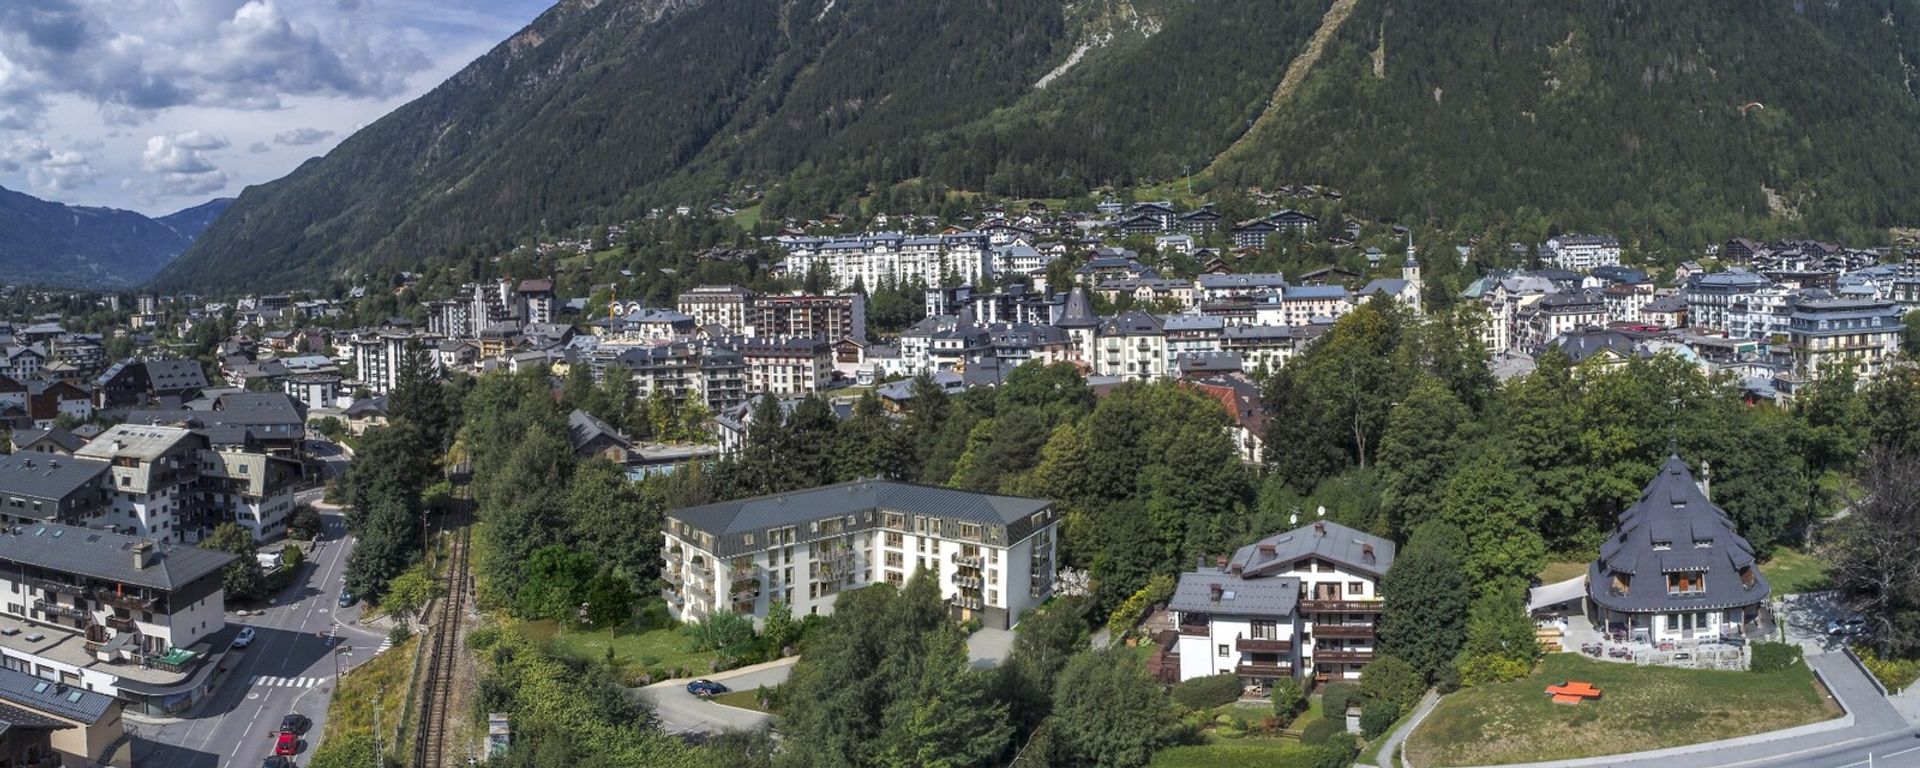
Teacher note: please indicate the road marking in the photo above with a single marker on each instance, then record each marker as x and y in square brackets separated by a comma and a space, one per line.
[1901, 752]
[275, 681]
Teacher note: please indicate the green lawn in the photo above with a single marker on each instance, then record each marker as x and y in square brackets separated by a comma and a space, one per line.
[748, 699]
[747, 217]
[383, 679]
[1789, 571]
[1264, 752]
[634, 650]
[1643, 708]
[1561, 570]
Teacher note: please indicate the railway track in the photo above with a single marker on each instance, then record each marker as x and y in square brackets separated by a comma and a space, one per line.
[436, 704]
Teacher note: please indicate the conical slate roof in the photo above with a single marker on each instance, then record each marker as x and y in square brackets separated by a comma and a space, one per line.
[1079, 311]
[1675, 529]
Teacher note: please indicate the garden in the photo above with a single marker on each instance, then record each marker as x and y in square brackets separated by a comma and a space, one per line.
[651, 646]
[1292, 730]
[1643, 708]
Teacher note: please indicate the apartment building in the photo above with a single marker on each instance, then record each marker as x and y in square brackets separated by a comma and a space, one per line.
[152, 473]
[786, 368]
[121, 615]
[1709, 296]
[377, 356]
[993, 556]
[1826, 334]
[38, 487]
[722, 305]
[253, 490]
[1582, 253]
[802, 316]
[1293, 604]
[884, 258]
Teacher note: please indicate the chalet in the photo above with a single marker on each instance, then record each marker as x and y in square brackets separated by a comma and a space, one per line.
[1199, 222]
[590, 437]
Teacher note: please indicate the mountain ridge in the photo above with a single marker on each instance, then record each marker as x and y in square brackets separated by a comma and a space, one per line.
[69, 246]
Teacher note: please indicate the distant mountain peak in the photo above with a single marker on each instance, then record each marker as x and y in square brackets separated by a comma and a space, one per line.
[46, 242]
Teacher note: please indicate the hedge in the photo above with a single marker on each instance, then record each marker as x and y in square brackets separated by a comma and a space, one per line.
[1774, 656]
[1319, 731]
[1208, 692]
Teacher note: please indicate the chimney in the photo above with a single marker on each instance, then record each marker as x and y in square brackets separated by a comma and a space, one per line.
[1220, 562]
[1366, 552]
[1319, 527]
[1214, 590]
[1266, 549]
[140, 551]
[1237, 567]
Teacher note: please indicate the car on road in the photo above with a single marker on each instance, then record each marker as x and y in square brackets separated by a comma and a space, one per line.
[277, 761]
[346, 598]
[704, 687]
[287, 744]
[296, 724]
[244, 639]
[1847, 626]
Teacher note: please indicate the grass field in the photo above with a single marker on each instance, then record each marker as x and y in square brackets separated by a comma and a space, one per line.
[1267, 753]
[1643, 708]
[747, 699]
[1789, 571]
[634, 650]
[353, 702]
[1561, 570]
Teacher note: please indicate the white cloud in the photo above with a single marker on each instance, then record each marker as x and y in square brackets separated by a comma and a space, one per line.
[49, 169]
[300, 137]
[259, 148]
[178, 166]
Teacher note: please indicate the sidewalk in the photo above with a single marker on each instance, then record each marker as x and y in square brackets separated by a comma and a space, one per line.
[1399, 735]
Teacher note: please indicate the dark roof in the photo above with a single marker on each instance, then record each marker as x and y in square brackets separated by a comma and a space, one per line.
[25, 691]
[47, 476]
[56, 435]
[1323, 539]
[108, 556]
[1078, 312]
[175, 375]
[1674, 528]
[1238, 596]
[583, 428]
[829, 501]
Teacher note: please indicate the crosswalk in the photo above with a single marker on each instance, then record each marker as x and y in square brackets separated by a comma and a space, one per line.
[385, 643]
[287, 682]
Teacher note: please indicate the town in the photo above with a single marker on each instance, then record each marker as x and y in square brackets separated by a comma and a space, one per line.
[1315, 491]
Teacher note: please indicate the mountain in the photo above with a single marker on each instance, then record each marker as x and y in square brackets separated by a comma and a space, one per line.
[1672, 123]
[43, 242]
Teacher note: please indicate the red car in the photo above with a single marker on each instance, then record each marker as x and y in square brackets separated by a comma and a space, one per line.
[288, 744]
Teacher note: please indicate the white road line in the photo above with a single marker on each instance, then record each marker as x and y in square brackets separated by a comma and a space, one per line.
[1901, 752]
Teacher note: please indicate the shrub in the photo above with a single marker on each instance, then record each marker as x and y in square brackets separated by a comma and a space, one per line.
[1377, 717]
[1207, 692]
[1895, 674]
[1335, 698]
[1390, 678]
[1774, 656]
[1288, 698]
[1135, 607]
[291, 557]
[1338, 752]
[399, 633]
[1319, 731]
[1490, 668]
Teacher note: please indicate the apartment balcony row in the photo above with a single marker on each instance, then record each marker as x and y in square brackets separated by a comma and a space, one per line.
[969, 561]
[972, 603]
[967, 582]
[1262, 645]
[1342, 657]
[48, 606]
[1343, 631]
[1187, 628]
[1261, 669]
[1341, 606]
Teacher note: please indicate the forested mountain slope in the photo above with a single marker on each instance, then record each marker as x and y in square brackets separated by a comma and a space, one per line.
[1675, 122]
[44, 242]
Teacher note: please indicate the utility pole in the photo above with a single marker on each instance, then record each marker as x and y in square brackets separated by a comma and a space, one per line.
[379, 759]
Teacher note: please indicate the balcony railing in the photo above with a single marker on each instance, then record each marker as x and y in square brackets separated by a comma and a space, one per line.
[48, 585]
[700, 590]
[1263, 670]
[673, 596]
[129, 602]
[1261, 645]
[969, 602]
[120, 623]
[745, 586]
[1343, 631]
[57, 609]
[968, 561]
[1343, 657]
[1341, 606]
[1193, 629]
[671, 577]
[967, 582]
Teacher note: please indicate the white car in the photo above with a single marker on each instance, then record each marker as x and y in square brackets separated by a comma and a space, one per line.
[244, 639]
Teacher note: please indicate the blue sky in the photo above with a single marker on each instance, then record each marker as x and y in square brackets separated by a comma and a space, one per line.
[156, 105]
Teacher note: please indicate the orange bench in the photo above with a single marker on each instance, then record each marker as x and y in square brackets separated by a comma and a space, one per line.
[1572, 692]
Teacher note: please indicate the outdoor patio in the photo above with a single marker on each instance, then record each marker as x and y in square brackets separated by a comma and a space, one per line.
[1578, 635]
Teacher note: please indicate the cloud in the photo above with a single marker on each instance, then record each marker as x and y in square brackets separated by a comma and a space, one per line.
[300, 137]
[177, 165]
[259, 148]
[132, 58]
[49, 169]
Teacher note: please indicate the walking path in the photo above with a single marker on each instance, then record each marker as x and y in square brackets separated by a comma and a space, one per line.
[1399, 735]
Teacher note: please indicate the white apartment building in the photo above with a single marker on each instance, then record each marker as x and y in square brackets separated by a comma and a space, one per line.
[153, 472]
[722, 305]
[253, 490]
[1132, 346]
[1305, 303]
[877, 259]
[993, 556]
[1296, 603]
[788, 367]
[1582, 253]
[377, 356]
[1709, 296]
[1762, 314]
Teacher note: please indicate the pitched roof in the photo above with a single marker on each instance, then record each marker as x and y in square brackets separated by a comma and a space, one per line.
[40, 695]
[828, 501]
[108, 556]
[1674, 528]
[44, 476]
[1078, 312]
[583, 428]
[67, 441]
[1238, 596]
[1325, 539]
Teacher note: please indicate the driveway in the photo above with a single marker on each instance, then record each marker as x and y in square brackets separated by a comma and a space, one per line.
[684, 713]
[1805, 617]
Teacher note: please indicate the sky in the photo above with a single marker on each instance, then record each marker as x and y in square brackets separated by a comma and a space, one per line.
[159, 105]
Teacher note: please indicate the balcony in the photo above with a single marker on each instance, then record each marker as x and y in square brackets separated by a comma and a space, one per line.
[1261, 645]
[1040, 591]
[696, 589]
[1341, 606]
[967, 582]
[47, 585]
[128, 602]
[745, 587]
[969, 561]
[673, 596]
[1343, 631]
[739, 572]
[1264, 670]
[671, 577]
[972, 603]
[1343, 657]
[120, 623]
[48, 606]
[1193, 629]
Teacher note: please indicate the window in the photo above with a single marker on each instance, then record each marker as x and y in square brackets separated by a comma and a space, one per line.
[1322, 566]
[1356, 589]
[1686, 583]
[1223, 650]
[993, 597]
[1266, 630]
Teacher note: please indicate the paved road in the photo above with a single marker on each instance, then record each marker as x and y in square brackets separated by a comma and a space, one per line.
[289, 668]
[682, 712]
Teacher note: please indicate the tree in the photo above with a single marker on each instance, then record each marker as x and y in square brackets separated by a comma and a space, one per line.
[1500, 641]
[1043, 643]
[418, 398]
[1288, 698]
[809, 443]
[614, 520]
[869, 444]
[609, 600]
[305, 522]
[1426, 594]
[556, 579]
[1391, 679]
[761, 467]
[1893, 408]
[409, 592]
[948, 718]
[927, 412]
[1107, 712]
[389, 542]
[1420, 446]
[1872, 552]
[1487, 501]
[242, 579]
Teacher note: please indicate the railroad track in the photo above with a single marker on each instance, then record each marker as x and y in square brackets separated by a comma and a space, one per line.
[436, 704]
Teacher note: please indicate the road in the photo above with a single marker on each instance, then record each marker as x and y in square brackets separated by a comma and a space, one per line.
[289, 668]
[682, 712]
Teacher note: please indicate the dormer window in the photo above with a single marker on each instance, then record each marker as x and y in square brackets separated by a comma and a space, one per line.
[1686, 583]
[1702, 543]
[1747, 578]
[1662, 545]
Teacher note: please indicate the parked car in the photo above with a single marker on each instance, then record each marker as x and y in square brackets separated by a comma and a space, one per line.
[277, 761]
[244, 639]
[704, 687]
[346, 598]
[1847, 627]
[296, 724]
[287, 744]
